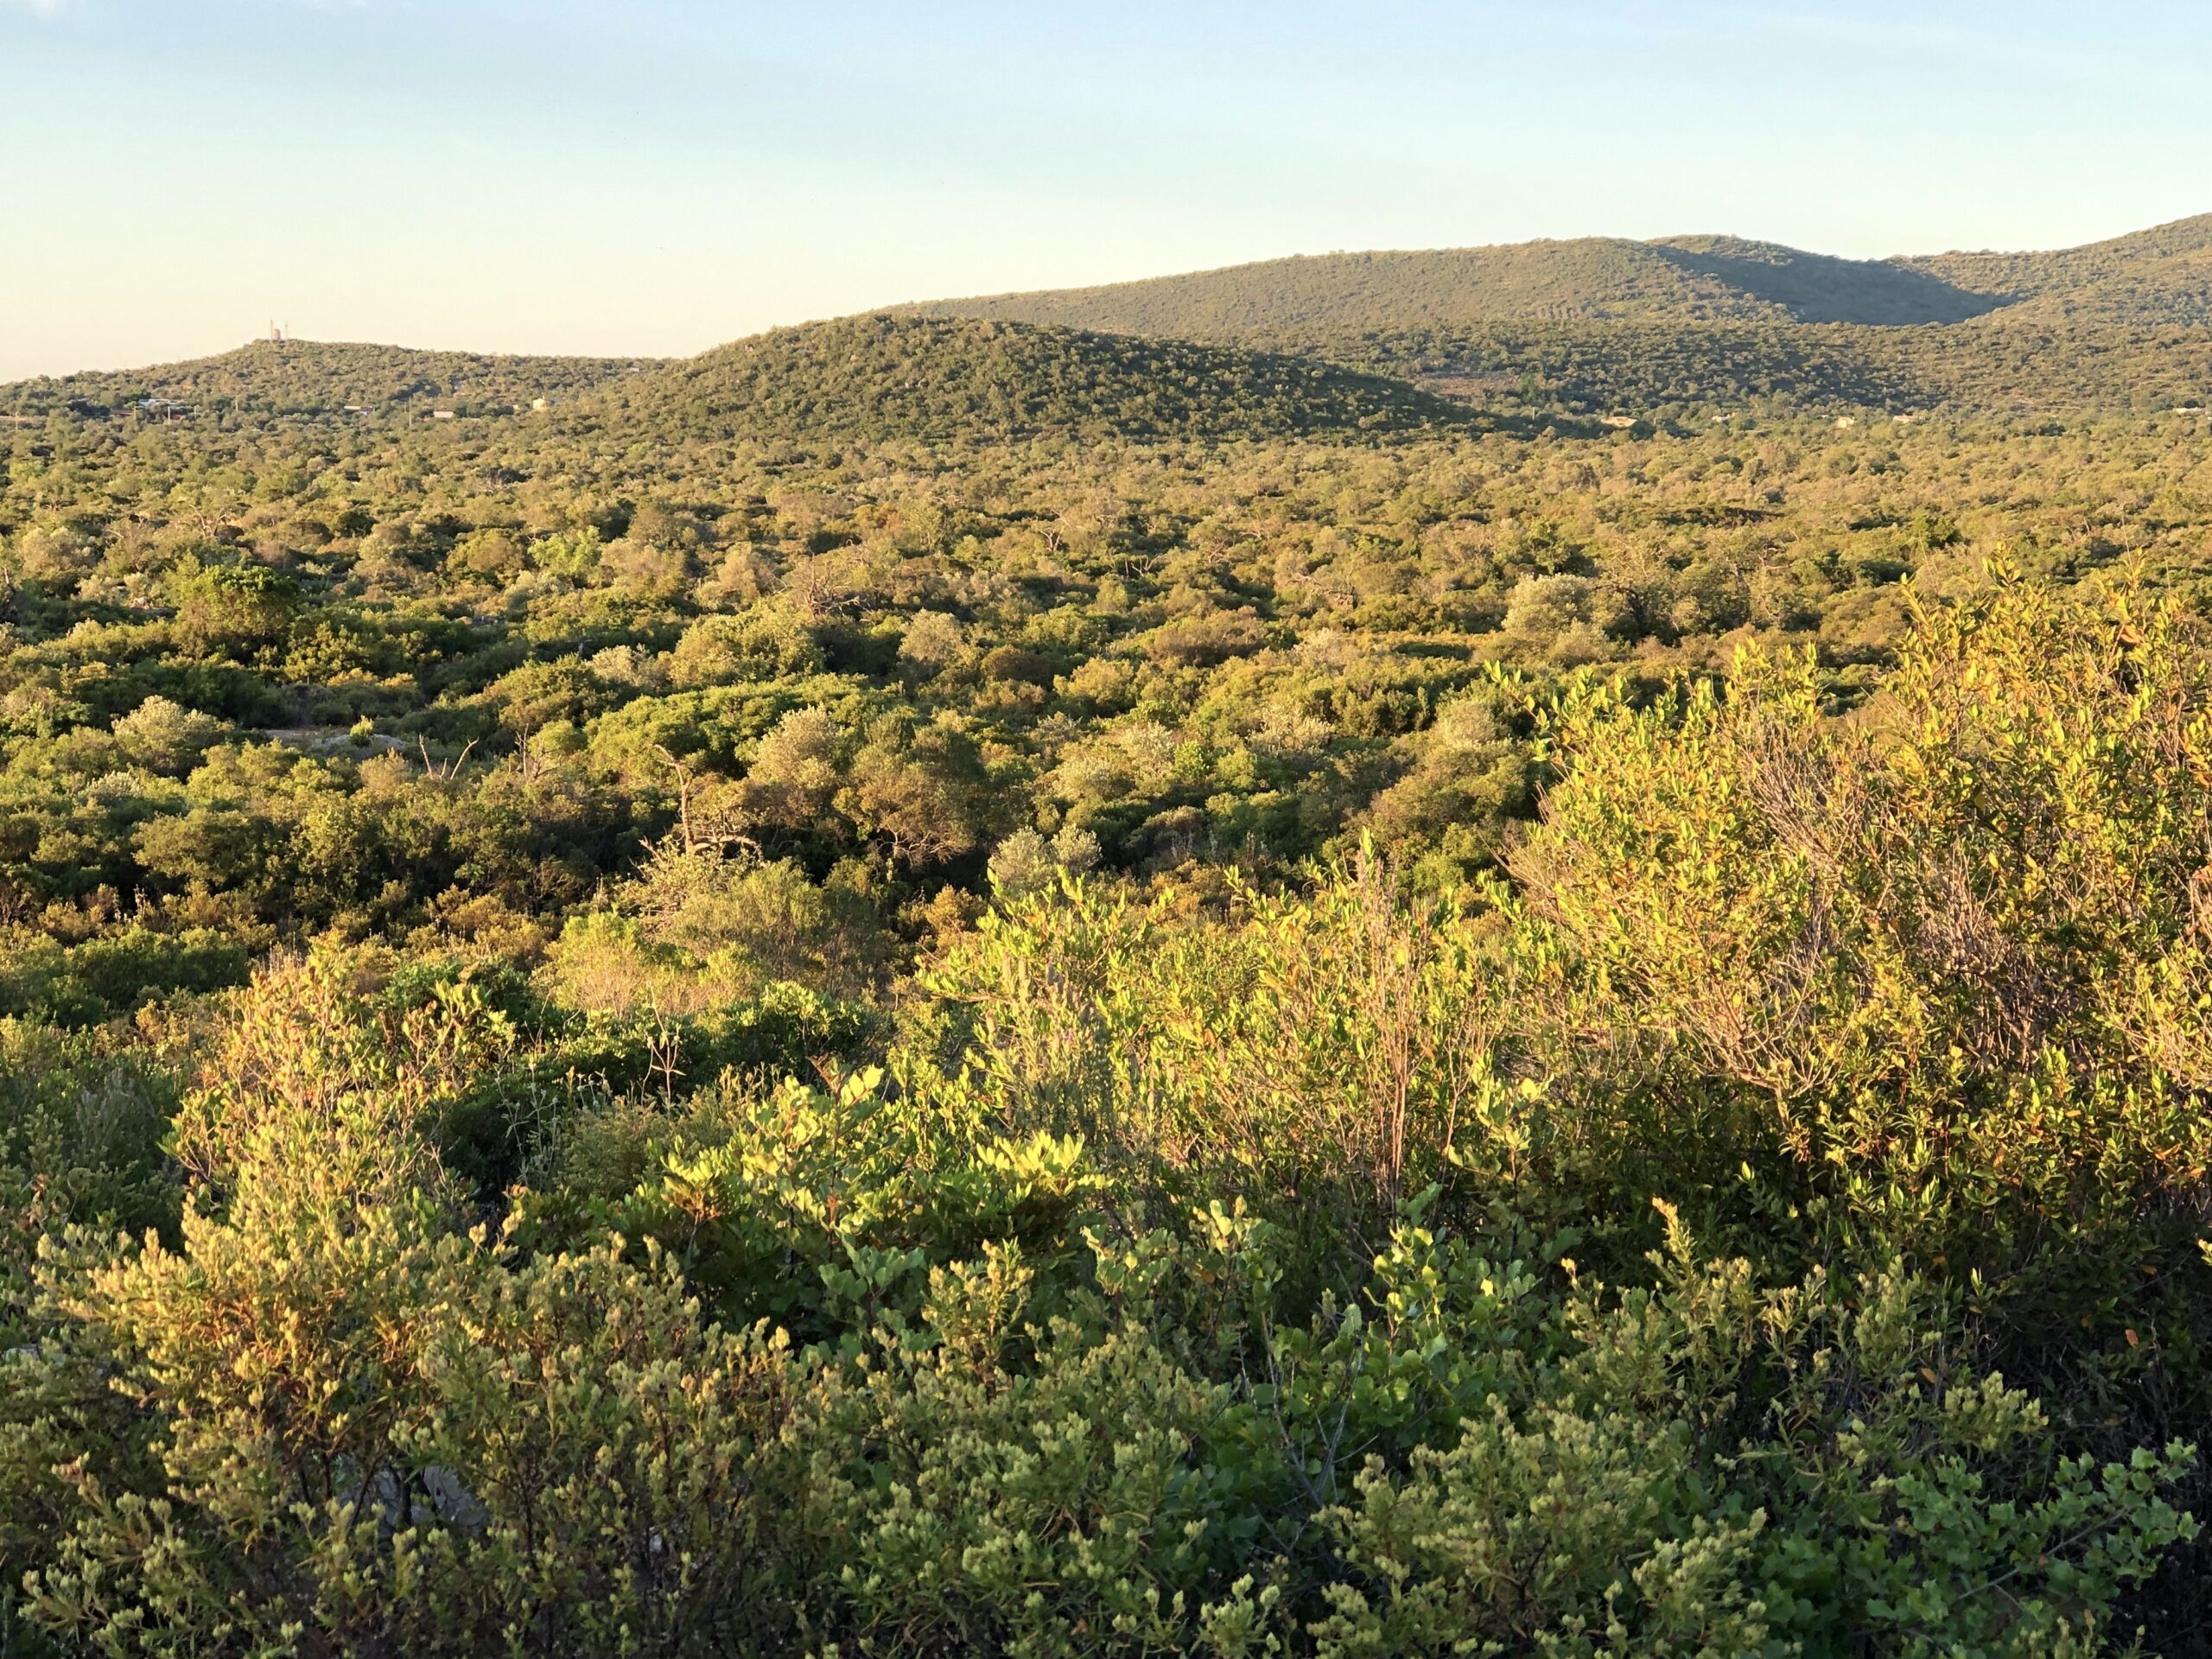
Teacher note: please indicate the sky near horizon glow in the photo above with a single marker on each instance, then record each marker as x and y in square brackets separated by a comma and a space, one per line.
[655, 176]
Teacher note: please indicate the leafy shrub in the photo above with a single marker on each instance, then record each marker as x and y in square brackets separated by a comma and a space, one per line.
[824, 1211]
[82, 984]
[379, 1436]
[1925, 972]
[1719, 1469]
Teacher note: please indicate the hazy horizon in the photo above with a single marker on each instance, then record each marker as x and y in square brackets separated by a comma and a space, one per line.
[651, 179]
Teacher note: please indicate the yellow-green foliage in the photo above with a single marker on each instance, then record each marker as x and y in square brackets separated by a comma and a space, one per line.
[1760, 1219]
[376, 1431]
[1942, 962]
[1317, 1037]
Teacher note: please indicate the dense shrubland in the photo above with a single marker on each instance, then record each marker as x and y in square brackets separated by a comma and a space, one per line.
[446, 680]
[1761, 1215]
[620, 1040]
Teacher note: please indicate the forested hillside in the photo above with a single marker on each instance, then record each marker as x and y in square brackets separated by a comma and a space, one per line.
[1605, 325]
[2150, 277]
[2007, 365]
[883, 377]
[1691, 279]
[268, 378]
[2161, 276]
[926, 988]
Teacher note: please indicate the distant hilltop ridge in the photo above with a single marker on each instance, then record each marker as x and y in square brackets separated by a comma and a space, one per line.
[267, 378]
[867, 377]
[2161, 276]
[1349, 343]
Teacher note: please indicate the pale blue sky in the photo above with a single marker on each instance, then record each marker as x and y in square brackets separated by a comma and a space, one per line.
[658, 175]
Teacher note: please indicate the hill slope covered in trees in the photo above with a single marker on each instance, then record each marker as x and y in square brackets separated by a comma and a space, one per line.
[2161, 276]
[2008, 363]
[916, 378]
[2150, 277]
[1606, 324]
[1692, 279]
[267, 378]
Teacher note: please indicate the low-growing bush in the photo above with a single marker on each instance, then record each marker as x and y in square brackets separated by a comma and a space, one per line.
[1762, 1217]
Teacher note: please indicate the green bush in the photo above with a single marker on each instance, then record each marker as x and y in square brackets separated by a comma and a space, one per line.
[84, 984]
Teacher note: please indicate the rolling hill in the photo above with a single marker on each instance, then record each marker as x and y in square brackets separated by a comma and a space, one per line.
[867, 377]
[317, 378]
[1610, 324]
[1343, 343]
[2161, 276]
[2155, 277]
[1689, 279]
[916, 378]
